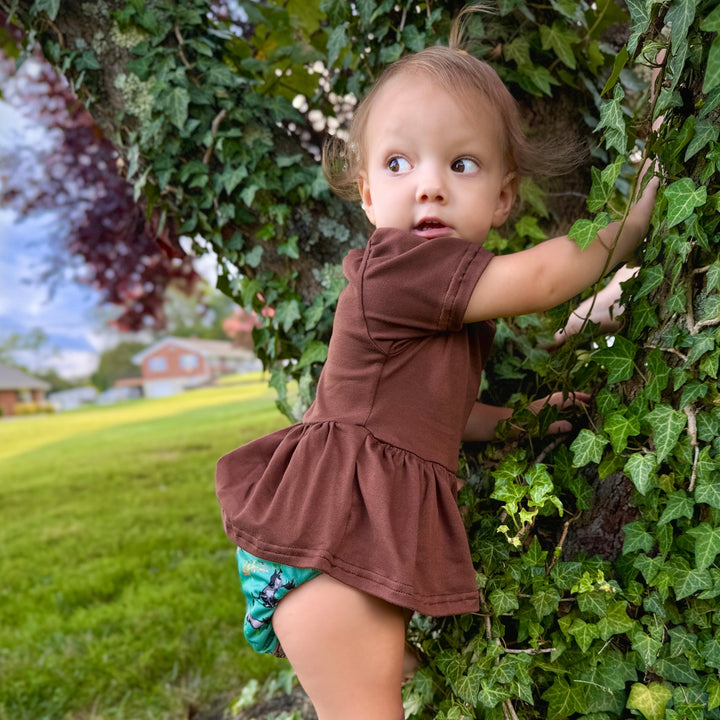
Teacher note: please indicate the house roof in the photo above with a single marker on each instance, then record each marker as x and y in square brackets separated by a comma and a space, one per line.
[13, 379]
[207, 348]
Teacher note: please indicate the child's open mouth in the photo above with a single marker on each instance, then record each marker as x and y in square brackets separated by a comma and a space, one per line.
[431, 227]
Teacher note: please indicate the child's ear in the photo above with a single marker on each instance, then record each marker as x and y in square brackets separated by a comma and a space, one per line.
[506, 199]
[366, 197]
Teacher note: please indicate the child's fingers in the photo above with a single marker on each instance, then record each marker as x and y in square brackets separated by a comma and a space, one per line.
[574, 399]
[558, 427]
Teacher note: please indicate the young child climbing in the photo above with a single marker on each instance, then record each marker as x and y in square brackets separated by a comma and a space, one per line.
[347, 522]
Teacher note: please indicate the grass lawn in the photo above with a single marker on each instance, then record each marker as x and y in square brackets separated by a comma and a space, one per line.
[118, 592]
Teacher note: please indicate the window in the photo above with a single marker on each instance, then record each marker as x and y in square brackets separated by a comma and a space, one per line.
[157, 364]
[189, 362]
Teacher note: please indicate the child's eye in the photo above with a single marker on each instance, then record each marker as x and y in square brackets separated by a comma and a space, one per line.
[465, 166]
[397, 164]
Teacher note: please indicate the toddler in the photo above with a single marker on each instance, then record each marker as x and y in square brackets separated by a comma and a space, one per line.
[347, 522]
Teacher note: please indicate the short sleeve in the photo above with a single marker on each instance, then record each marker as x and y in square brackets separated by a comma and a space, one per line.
[413, 286]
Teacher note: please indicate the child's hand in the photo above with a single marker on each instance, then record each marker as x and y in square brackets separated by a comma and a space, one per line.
[561, 401]
[603, 308]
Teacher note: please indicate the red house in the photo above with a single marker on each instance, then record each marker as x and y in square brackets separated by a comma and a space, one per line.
[19, 387]
[175, 364]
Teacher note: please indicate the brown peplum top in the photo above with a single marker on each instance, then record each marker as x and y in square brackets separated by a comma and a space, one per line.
[364, 488]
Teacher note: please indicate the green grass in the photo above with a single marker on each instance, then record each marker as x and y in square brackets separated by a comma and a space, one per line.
[118, 592]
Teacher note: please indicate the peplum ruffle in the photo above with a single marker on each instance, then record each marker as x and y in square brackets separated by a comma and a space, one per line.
[331, 496]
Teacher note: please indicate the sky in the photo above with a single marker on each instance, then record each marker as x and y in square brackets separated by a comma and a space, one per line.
[67, 315]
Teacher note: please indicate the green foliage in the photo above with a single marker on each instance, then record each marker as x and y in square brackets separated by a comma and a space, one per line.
[119, 596]
[560, 633]
[636, 631]
[117, 363]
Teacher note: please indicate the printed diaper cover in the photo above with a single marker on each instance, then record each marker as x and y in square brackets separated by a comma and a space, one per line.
[264, 585]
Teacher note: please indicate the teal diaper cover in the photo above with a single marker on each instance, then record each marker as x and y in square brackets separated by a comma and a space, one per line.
[264, 585]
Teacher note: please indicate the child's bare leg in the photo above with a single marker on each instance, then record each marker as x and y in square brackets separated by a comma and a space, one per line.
[346, 647]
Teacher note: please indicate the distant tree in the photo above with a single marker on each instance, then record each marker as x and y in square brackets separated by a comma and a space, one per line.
[117, 363]
[57, 382]
[104, 235]
[22, 350]
[199, 313]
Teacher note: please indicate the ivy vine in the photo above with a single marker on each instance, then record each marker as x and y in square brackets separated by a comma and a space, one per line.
[596, 635]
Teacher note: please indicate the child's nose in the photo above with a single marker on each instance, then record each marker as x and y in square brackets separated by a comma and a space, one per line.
[430, 192]
[430, 188]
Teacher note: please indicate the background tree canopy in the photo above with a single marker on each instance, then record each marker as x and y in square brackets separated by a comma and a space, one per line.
[596, 555]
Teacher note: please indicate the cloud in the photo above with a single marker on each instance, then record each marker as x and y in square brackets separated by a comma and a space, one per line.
[66, 314]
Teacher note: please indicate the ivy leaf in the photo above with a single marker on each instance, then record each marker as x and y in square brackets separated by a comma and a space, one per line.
[316, 351]
[640, 17]
[643, 316]
[336, 10]
[561, 39]
[51, 7]
[612, 120]
[587, 447]
[676, 670]
[468, 686]
[504, 599]
[712, 22]
[707, 545]
[176, 104]
[637, 538]
[619, 428]
[646, 647]
[688, 582]
[618, 359]
[667, 424]
[489, 696]
[337, 42]
[705, 133]
[651, 278]
[702, 343]
[584, 633]
[707, 491]
[713, 695]
[286, 313]
[683, 197]
[641, 469]
[451, 665]
[616, 620]
[566, 574]
[620, 61]
[545, 601]
[649, 566]
[659, 375]
[593, 602]
[650, 700]
[584, 231]
[563, 699]
[679, 504]
[232, 177]
[679, 17]
[712, 69]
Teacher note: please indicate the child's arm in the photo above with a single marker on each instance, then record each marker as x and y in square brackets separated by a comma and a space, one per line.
[556, 270]
[484, 419]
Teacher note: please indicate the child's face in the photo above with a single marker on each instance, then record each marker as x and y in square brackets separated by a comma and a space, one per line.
[433, 166]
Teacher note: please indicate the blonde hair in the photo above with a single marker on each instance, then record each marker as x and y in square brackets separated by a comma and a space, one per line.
[459, 74]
